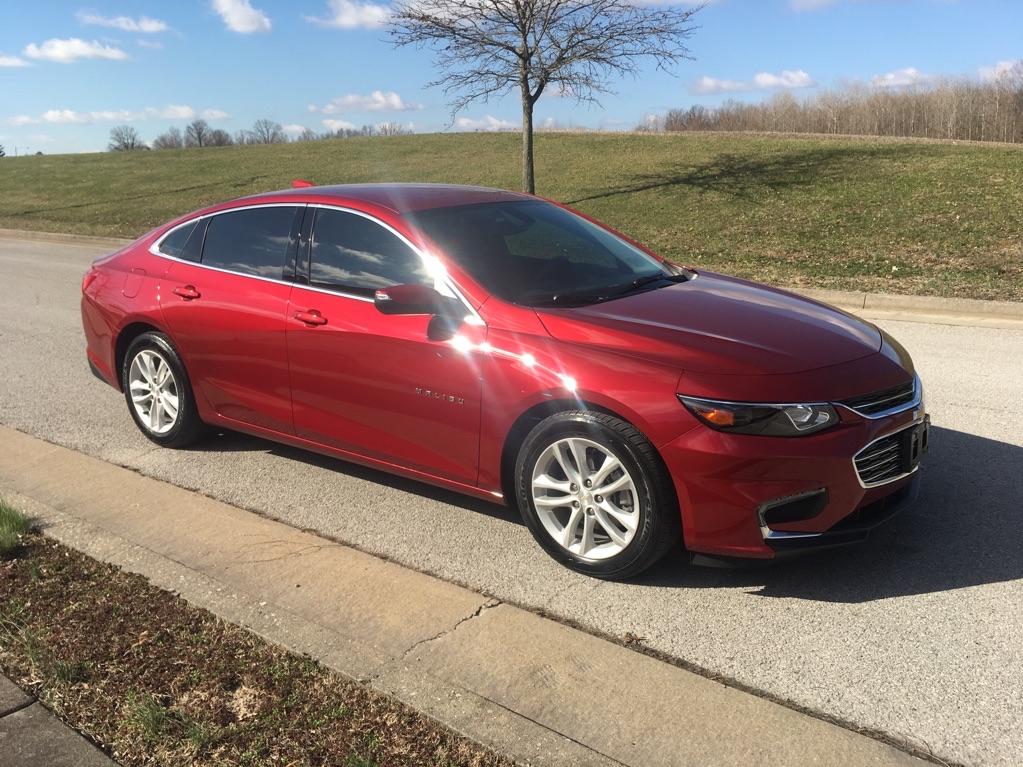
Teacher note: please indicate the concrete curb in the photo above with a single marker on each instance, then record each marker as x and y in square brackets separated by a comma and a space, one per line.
[876, 305]
[531, 688]
[64, 239]
[30, 736]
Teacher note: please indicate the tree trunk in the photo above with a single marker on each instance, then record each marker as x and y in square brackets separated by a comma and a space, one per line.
[528, 181]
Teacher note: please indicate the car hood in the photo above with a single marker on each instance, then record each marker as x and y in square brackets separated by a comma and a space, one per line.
[718, 324]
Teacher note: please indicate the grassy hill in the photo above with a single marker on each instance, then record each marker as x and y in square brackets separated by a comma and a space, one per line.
[861, 214]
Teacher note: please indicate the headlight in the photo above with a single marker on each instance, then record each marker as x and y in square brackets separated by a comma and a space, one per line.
[766, 420]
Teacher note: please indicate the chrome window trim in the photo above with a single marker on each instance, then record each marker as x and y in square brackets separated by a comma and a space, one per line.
[919, 419]
[918, 396]
[154, 249]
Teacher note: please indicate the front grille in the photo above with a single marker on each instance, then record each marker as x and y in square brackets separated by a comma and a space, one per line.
[893, 456]
[881, 401]
[881, 460]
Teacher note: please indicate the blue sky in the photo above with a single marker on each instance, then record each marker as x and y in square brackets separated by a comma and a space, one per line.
[69, 71]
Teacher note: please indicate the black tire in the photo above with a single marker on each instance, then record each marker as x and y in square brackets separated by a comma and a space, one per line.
[659, 528]
[187, 427]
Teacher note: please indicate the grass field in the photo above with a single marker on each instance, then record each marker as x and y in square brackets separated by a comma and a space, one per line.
[859, 214]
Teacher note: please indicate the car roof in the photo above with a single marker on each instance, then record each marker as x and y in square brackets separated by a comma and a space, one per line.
[399, 198]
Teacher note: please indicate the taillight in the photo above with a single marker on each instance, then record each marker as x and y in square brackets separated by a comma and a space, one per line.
[89, 278]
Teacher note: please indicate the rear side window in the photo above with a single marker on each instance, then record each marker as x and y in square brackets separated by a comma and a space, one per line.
[354, 254]
[252, 241]
[185, 241]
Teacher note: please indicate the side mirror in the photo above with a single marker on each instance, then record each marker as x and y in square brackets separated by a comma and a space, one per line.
[411, 299]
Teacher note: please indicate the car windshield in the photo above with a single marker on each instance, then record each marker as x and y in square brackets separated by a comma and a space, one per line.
[534, 253]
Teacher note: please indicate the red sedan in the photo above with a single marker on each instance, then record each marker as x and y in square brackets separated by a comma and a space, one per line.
[509, 348]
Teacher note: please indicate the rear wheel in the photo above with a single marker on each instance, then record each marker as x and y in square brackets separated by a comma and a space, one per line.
[158, 392]
[595, 494]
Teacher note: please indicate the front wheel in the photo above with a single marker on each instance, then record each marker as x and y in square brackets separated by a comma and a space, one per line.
[158, 392]
[595, 495]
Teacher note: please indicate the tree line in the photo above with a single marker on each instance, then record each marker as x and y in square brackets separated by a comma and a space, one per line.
[198, 133]
[964, 110]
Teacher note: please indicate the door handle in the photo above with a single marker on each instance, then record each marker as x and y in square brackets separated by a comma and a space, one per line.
[311, 317]
[187, 292]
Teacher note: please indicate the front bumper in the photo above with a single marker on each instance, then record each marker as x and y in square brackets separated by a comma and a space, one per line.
[728, 485]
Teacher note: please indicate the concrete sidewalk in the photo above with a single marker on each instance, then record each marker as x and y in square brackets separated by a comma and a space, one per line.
[30, 736]
[533, 689]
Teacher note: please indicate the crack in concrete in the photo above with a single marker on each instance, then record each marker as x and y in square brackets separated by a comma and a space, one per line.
[390, 665]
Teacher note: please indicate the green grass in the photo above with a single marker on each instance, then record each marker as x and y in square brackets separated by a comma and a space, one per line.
[862, 214]
[12, 525]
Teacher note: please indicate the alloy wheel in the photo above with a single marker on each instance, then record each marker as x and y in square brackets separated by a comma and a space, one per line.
[585, 498]
[154, 391]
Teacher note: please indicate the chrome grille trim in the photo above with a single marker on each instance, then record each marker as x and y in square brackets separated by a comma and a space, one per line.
[882, 404]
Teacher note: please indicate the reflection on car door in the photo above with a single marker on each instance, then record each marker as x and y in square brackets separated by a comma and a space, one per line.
[226, 314]
[373, 384]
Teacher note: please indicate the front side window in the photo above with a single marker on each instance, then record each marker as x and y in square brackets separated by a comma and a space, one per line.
[351, 253]
[251, 241]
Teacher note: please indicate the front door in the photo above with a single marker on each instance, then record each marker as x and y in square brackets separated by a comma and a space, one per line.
[373, 384]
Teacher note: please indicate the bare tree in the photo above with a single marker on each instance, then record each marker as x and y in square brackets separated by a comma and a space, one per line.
[267, 132]
[219, 137]
[197, 133]
[963, 109]
[124, 138]
[307, 135]
[170, 140]
[394, 129]
[2, 152]
[486, 48]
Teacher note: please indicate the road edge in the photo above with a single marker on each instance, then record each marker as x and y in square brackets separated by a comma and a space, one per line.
[484, 668]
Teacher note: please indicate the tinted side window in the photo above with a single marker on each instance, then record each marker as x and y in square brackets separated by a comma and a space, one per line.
[354, 254]
[252, 241]
[174, 243]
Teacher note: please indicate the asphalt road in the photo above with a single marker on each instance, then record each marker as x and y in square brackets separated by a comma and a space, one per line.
[917, 634]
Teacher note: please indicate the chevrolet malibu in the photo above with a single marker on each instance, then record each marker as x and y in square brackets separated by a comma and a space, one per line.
[512, 349]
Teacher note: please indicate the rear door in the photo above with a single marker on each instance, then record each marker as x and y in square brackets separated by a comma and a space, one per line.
[374, 384]
[225, 302]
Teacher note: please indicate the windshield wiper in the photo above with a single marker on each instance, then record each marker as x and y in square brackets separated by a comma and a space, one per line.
[613, 291]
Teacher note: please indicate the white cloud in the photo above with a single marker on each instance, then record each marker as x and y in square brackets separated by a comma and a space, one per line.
[762, 81]
[900, 78]
[142, 24]
[715, 85]
[214, 114]
[177, 112]
[1008, 68]
[377, 101]
[336, 125]
[241, 17]
[789, 78]
[154, 45]
[810, 5]
[12, 61]
[487, 123]
[293, 129]
[351, 14]
[75, 117]
[66, 51]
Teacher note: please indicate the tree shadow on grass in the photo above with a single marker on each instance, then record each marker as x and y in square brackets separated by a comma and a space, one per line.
[963, 531]
[739, 175]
